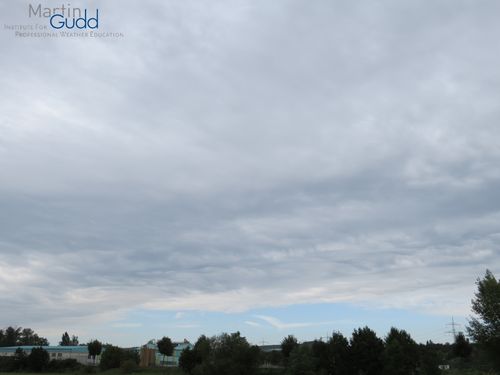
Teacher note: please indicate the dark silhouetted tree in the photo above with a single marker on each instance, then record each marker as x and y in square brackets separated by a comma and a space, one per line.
[193, 358]
[400, 354]
[114, 357]
[202, 348]
[341, 359]
[165, 347]
[94, 348]
[462, 347]
[18, 336]
[28, 337]
[332, 357]
[287, 345]
[230, 354]
[367, 352]
[38, 359]
[484, 327]
[188, 360]
[12, 336]
[111, 357]
[323, 358]
[301, 361]
[20, 359]
[65, 340]
[429, 359]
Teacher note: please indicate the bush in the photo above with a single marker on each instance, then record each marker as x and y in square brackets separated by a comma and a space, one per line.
[188, 360]
[63, 365]
[88, 369]
[222, 355]
[38, 360]
[128, 366]
[7, 364]
[301, 361]
[19, 361]
[113, 357]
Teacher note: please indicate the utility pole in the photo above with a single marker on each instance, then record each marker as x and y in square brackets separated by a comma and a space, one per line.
[453, 326]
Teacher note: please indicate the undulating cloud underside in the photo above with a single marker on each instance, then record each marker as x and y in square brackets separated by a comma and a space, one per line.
[228, 155]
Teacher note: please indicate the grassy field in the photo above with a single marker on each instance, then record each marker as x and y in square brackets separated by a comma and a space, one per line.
[176, 371]
[153, 371]
[468, 372]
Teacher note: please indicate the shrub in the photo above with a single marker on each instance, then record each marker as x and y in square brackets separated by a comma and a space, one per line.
[114, 356]
[38, 359]
[7, 364]
[88, 369]
[63, 365]
[128, 366]
[111, 357]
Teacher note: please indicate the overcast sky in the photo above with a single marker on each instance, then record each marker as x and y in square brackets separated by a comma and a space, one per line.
[272, 167]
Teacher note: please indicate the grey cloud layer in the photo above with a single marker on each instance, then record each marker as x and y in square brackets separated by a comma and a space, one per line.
[229, 155]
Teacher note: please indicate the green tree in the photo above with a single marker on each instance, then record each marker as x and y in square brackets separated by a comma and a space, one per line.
[400, 353]
[287, 345]
[20, 359]
[114, 357]
[111, 357]
[462, 347]
[192, 359]
[18, 336]
[65, 340]
[202, 348]
[340, 352]
[188, 360]
[332, 357]
[28, 337]
[12, 336]
[322, 355]
[165, 347]
[367, 352]
[227, 354]
[231, 354]
[94, 348]
[429, 359]
[38, 359]
[484, 327]
[301, 361]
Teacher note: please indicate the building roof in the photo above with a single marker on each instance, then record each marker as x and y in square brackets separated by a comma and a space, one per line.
[183, 345]
[270, 348]
[177, 345]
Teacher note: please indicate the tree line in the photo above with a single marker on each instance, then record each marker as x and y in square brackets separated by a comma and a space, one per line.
[18, 336]
[363, 353]
[21, 336]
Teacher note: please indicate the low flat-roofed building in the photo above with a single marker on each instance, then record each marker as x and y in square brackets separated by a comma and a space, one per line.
[80, 353]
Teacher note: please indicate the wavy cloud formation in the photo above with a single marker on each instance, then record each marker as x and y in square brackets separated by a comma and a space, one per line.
[233, 155]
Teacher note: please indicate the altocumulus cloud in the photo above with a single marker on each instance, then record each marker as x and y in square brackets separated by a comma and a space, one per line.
[229, 155]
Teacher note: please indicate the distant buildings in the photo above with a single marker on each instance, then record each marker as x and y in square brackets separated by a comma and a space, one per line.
[150, 357]
[270, 348]
[80, 353]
